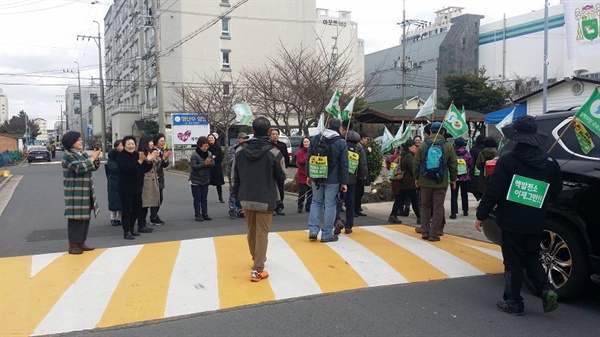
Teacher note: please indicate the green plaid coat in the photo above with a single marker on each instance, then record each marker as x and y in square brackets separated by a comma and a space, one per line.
[78, 185]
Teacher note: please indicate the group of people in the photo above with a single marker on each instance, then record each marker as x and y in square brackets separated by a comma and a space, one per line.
[330, 167]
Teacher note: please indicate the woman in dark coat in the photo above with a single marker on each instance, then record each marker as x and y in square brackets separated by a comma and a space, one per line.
[132, 167]
[112, 184]
[406, 184]
[216, 170]
[201, 163]
[78, 186]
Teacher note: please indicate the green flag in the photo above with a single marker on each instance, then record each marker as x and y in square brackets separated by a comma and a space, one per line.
[386, 142]
[454, 122]
[348, 111]
[402, 135]
[589, 113]
[333, 107]
[243, 113]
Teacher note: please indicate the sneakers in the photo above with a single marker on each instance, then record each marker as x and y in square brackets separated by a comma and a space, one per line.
[157, 221]
[394, 219]
[232, 215]
[549, 300]
[257, 276]
[338, 227]
[279, 211]
[348, 231]
[332, 238]
[513, 310]
[312, 236]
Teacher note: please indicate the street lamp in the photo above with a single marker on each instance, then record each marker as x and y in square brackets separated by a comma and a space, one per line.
[80, 103]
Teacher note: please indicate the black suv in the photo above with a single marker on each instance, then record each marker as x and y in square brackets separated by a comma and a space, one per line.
[571, 242]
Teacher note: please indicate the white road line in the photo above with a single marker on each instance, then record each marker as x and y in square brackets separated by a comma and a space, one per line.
[194, 285]
[490, 252]
[290, 276]
[39, 262]
[440, 259]
[370, 267]
[7, 191]
[81, 307]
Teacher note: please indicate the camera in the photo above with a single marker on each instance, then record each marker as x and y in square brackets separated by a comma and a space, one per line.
[97, 146]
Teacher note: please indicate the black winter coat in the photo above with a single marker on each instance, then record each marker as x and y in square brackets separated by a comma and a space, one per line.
[216, 170]
[284, 152]
[112, 181]
[131, 173]
[527, 161]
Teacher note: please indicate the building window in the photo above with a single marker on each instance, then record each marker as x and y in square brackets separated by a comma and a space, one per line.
[225, 28]
[225, 63]
[225, 89]
[76, 95]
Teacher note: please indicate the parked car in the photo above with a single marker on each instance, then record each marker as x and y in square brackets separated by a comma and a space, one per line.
[38, 153]
[296, 142]
[571, 241]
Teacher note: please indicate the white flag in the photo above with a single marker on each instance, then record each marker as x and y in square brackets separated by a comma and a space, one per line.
[243, 113]
[505, 121]
[320, 125]
[428, 107]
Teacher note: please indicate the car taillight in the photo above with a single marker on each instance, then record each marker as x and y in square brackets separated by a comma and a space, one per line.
[490, 165]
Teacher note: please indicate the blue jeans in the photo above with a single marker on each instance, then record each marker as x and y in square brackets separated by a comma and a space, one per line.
[323, 195]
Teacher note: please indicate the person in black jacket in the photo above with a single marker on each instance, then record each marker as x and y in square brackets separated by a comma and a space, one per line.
[258, 168]
[286, 159]
[522, 222]
[132, 167]
[216, 171]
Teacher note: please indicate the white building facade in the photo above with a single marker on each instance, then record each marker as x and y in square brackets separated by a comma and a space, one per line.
[89, 103]
[191, 48]
[42, 124]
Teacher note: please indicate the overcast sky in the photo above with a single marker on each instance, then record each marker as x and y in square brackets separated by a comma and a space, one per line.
[38, 40]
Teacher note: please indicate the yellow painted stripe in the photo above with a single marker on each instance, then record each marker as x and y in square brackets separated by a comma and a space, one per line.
[484, 262]
[408, 264]
[330, 270]
[234, 266]
[142, 292]
[31, 299]
[473, 242]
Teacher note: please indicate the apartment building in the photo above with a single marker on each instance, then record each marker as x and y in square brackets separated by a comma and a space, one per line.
[3, 107]
[89, 101]
[43, 126]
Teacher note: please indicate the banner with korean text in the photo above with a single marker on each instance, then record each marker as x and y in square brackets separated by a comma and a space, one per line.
[187, 128]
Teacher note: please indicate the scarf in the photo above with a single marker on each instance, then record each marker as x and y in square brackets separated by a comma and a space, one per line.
[202, 154]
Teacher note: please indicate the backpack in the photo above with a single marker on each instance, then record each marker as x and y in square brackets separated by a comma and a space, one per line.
[433, 165]
[323, 149]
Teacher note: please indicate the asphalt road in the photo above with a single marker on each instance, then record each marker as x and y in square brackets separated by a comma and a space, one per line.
[32, 223]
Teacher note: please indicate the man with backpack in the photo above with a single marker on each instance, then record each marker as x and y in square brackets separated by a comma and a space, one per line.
[434, 165]
[327, 168]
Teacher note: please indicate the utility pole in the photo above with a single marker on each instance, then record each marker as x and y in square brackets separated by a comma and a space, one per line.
[159, 82]
[59, 100]
[80, 102]
[403, 54]
[98, 41]
[545, 76]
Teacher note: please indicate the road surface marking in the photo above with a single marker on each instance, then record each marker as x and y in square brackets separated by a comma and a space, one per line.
[39, 262]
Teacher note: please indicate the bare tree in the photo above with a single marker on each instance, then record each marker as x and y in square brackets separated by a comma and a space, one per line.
[213, 98]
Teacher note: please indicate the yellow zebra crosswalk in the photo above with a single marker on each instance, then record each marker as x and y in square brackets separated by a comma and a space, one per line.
[57, 293]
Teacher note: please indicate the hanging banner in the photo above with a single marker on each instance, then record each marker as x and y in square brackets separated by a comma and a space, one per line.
[581, 27]
[187, 128]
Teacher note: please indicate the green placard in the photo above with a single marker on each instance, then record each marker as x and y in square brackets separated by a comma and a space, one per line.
[462, 166]
[391, 172]
[527, 191]
[318, 167]
[352, 161]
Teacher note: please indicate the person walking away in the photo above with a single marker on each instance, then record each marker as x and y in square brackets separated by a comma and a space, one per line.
[132, 167]
[406, 182]
[163, 156]
[360, 184]
[235, 209]
[490, 151]
[304, 191]
[53, 150]
[150, 191]
[521, 175]
[286, 158]
[434, 165]
[201, 163]
[112, 184]
[328, 174]
[78, 187]
[464, 168]
[258, 169]
[474, 151]
[216, 170]
[357, 170]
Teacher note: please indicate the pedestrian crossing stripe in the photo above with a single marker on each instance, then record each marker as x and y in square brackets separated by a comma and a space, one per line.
[58, 292]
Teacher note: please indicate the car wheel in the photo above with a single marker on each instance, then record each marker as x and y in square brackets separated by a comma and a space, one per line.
[564, 260]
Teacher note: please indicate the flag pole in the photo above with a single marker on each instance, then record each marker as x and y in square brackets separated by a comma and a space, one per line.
[561, 134]
[443, 120]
